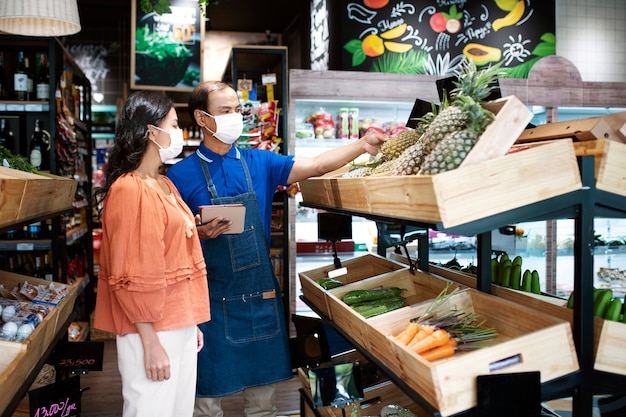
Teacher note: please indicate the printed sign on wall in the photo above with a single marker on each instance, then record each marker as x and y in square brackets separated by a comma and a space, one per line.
[166, 49]
[432, 37]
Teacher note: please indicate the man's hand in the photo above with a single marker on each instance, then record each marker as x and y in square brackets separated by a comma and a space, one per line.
[212, 229]
[373, 142]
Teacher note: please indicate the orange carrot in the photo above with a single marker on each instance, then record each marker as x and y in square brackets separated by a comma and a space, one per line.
[422, 333]
[437, 338]
[407, 334]
[439, 352]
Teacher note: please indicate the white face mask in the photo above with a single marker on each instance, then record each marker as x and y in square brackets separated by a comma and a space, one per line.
[176, 144]
[228, 127]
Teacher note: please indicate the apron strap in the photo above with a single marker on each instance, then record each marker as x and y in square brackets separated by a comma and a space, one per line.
[211, 185]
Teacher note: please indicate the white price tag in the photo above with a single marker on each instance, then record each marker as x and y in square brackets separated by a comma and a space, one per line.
[25, 246]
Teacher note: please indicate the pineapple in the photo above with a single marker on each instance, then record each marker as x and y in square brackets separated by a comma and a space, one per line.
[383, 168]
[464, 113]
[357, 172]
[452, 150]
[397, 144]
[410, 161]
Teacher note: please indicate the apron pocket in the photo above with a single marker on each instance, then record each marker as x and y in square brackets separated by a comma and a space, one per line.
[244, 250]
[250, 317]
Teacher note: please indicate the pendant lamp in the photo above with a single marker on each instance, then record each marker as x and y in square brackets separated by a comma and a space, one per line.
[39, 17]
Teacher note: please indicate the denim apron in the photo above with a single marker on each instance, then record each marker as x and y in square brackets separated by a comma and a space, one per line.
[245, 343]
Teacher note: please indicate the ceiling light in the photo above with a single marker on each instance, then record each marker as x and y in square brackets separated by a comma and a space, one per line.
[39, 17]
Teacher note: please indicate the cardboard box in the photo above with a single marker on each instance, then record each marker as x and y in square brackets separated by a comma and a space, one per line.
[17, 360]
[25, 196]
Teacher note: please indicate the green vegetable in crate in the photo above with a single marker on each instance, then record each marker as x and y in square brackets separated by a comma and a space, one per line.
[329, 283]
[505, 277]
[613, 310]
[601, 302]
[360, 296]
[527, 280]
[376, 307]
[516, 276]
[494, 270]
[535, 284]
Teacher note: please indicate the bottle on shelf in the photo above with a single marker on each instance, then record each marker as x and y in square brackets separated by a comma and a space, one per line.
[48, 271]
[4, 87]
[6, 136]
[43, 79]
[30, 83]
[20, 78]
[13, 265]
[37, 146]
[35, 230]
[38, 271]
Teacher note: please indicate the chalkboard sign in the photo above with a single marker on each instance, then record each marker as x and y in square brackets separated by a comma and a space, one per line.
[433, 37]
[60, 399]
[167, 49]
[79, 356]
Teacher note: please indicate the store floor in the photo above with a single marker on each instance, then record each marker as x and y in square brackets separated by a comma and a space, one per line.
[104, 398]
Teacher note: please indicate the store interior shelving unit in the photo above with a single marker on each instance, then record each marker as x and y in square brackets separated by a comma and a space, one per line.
[582, 205]
[64, 241]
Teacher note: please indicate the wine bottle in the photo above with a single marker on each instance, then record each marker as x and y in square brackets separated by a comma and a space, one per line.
[20, 79]
[48, 271]
[37, 147]
[38, 271]
[6, 136]
[43, 79]
[29, 80]
[4, 87]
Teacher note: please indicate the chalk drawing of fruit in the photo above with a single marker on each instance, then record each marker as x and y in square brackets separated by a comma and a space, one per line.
[375, 4]
[375, 44]
[442, 21]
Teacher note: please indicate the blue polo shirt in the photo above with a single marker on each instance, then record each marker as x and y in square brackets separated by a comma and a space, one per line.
[267, 169]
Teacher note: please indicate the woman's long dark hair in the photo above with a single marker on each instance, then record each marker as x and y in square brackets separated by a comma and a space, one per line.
[142, 108]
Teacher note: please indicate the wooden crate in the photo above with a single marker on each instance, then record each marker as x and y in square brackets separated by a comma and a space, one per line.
[609, 337]
[17, 360]
[25, 196]
[609, 163]
[375, 396]
[587, 129]
[528, 340]
[459, 196]
[357, 269]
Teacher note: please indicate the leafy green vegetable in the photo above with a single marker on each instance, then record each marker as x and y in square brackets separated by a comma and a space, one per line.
[10, 160]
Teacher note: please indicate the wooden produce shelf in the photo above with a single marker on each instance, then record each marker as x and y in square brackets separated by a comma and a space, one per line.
[454, 197]
[356, 269]
[25, 196]
[19, 360]
[528, 340]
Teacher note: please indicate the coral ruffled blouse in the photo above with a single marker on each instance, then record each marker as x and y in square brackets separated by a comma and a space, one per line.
[150, 271]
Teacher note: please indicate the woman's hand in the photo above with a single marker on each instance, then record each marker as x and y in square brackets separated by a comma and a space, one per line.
[373, 142]
[200, 337]
[156, 361]
[212, 229]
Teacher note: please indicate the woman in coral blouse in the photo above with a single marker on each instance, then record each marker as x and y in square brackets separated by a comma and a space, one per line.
[152, 281]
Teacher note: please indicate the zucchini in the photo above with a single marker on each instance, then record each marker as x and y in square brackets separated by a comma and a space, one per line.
[360, 296]
[329, 283]
[374, 308]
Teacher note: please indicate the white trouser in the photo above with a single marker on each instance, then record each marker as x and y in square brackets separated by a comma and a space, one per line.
[257, 402]
[170, 398]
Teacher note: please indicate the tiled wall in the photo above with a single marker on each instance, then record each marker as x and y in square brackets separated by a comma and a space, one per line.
[592, 35]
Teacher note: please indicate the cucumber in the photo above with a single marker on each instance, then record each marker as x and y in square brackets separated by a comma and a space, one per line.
[504, 266]
[506, 274]
[601, 303]
[535, 285]
[613, 310]
[329, 283]
[516, 276]
[494, 270]
[570, 300]
[374, 308]
[360, 296]
[526, 280]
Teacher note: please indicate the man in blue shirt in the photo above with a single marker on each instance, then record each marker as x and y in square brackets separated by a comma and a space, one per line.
[246, 342]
